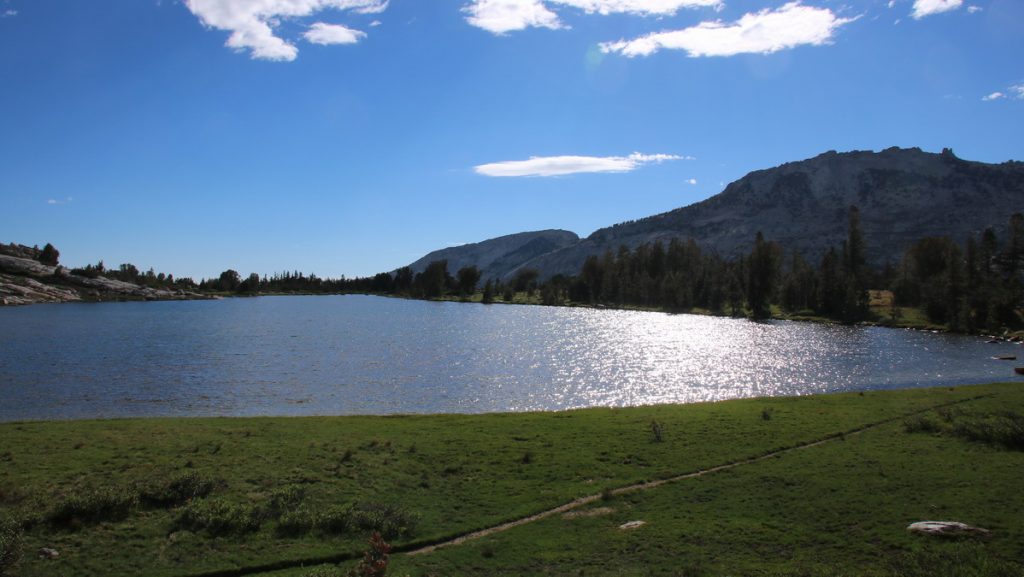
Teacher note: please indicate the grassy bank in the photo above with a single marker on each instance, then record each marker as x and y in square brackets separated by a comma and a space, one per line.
[185, 496]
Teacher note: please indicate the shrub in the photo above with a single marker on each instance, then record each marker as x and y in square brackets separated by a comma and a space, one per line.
[284, 500]
[176, 490]
[921, 424]
[658, 430]
[10, 544]
[966, 560]
[388, 520]
[218, 517]
[296, 522]
[1003, 430]
[93, 506]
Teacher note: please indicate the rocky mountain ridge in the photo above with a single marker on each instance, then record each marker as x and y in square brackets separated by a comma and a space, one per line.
[903, 195]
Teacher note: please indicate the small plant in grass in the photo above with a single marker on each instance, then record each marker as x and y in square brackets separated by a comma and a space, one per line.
[766, 414]
[10, 544]
[176, 490]
[325, 571]
[218, 517]
[607, 494]
[375, 560]
[527, 458]
[93, 506]
[658, 431]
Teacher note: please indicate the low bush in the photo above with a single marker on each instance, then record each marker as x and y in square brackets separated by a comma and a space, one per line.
[93, 506]
[176, 490]
[218, 517]
[921, 424]
[10, 544]
[1004, 430]
[960, 560]
[284, 500]
[390, 521]
[296, 522]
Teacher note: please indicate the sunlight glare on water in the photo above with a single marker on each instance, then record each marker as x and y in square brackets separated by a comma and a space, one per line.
[371, 355]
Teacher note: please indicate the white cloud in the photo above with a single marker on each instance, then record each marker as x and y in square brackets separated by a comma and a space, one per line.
[252, 22]
[924, 8]
[1017, 90]
[320, 33]
[993, 96]
[891, 4]
[974, 9]
[9, 13]
[54, 201]
[375, 23]
[762, 32]
[503, 16]
[638, 7]
[692, 182]
[563, 165]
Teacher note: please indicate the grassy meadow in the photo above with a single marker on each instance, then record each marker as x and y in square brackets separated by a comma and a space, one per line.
[247, 495]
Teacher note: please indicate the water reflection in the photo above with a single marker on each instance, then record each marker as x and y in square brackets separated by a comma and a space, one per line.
[355, 354]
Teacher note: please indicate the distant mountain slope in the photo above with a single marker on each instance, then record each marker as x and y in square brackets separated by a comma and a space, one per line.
[497, 256]
[903, 195]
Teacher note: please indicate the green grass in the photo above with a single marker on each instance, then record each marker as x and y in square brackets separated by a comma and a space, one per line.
[215, 494]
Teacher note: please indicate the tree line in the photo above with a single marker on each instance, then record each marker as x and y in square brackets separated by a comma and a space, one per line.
[971, 287]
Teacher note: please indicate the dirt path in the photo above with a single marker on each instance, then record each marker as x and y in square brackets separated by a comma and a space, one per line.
[652, 484]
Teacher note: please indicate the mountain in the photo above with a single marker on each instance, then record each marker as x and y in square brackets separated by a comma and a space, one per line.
[903, 195]
[498, 256]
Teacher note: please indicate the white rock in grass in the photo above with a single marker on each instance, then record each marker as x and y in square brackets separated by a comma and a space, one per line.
[632, 525]
[946, 528]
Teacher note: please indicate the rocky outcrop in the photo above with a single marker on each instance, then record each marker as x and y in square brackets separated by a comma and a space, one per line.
[903, 195]
[26, 281]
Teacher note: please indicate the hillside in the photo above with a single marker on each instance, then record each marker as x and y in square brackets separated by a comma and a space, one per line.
[498, 256]
[903, 195]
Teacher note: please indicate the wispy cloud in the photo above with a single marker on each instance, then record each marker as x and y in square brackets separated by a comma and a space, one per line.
[253, 24]
[692, 182]
[564, 165]
[504, 16]
[9, 13]
[761, 32]
[324, 34]
[974, 9]
[1015, 91]
[924, 8]
[54, 201]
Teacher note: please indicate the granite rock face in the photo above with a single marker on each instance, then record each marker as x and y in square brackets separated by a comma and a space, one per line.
[25, 281]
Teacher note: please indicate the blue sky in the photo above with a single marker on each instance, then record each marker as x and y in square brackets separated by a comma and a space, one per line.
[353, 136]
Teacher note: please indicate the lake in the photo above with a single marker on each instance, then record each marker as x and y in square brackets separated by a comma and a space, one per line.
[342, 355]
